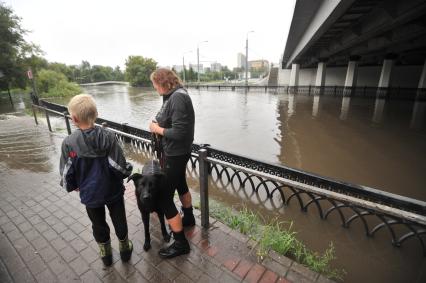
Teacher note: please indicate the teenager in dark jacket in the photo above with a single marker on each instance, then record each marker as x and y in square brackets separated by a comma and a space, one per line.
[92, 162]
[175, 123]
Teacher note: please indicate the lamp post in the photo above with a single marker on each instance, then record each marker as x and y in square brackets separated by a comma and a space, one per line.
[198, 60]
[247, 56]
[183, 64]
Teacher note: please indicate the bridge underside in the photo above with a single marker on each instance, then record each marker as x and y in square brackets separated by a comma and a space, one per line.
[367, 31]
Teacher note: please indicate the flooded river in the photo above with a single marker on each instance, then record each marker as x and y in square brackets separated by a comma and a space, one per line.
[363, 141]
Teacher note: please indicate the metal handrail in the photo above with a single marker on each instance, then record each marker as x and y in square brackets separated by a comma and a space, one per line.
[361, 202]
[421, 219]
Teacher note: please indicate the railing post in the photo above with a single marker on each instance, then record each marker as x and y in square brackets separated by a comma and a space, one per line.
[125, 128]
[67, 122]
[48, 119]
[34, 113]
[204, 187]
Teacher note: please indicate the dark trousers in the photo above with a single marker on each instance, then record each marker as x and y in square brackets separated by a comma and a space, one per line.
[175, 170]
[100, 227]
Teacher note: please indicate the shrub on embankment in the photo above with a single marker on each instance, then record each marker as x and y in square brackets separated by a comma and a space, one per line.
[277, 236]
[53, 84]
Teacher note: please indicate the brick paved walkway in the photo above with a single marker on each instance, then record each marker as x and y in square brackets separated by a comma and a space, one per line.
[46, 235]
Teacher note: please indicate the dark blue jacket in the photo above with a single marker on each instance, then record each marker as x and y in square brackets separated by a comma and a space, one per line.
[93, 162]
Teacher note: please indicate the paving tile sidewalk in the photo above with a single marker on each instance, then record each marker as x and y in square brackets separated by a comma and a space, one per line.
[46, 236]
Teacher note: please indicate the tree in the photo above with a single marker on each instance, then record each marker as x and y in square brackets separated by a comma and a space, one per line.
[117, 74]
[52, 83]
[85, 72]
[191, 75]
[138, 70]
[13, 48]
[101, 73]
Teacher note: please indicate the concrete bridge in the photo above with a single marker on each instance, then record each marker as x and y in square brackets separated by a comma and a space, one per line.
[372, 43]
[106, 83]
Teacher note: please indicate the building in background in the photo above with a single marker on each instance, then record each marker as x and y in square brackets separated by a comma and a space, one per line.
[195, 68]
[178, 68]
[259, 64]
[215, 67]
[241, 60]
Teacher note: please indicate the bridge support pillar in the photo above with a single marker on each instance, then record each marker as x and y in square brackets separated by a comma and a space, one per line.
[419, 108]
[385, 78]
[294, 77]
[351, 77]
[422, 81]
[320, 79]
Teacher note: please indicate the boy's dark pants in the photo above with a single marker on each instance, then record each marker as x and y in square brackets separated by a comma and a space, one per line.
[100, 226]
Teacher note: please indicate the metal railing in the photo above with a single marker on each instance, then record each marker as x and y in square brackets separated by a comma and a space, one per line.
[403, 218]
[358, 91]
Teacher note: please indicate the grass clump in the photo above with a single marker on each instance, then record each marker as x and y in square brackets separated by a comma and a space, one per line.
[277, 236]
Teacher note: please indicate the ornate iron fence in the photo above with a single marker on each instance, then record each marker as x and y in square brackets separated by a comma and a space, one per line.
[403, 218]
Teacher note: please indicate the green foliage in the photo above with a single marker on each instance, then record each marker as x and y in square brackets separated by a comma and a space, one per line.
[277, 236]
[13, 48]
[138, 70]
[52, 83]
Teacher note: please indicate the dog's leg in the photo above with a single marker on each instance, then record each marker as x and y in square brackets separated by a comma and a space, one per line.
[166, 235]
[145, 220]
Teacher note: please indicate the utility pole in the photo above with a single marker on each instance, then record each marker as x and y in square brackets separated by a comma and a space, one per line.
[198, 61]
[247, 57]
[183, 65]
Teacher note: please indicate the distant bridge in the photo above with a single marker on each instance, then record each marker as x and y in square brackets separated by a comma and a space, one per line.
[106, 83]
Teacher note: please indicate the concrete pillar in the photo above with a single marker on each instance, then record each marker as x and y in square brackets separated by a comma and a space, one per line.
[422, 81]
[419, 108]
[351, 74]
[385, 78]
[294, 76]
[351, 77]
[320, 79]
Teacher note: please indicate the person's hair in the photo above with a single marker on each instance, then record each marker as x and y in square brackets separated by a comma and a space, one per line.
[83, 107]
[166, 78]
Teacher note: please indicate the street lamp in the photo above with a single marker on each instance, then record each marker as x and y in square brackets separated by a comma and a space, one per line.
[247, 56]
[198, 60]
[183, 63]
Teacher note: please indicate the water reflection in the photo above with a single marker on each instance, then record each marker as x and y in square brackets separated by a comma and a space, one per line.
[24, 146]
[418, 117]
[346, 102]
[379, 106]
[315, 105]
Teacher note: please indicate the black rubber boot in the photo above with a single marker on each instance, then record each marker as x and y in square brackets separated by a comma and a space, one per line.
[179, 247]
[188, 218]
[105, 251]
[126, 249]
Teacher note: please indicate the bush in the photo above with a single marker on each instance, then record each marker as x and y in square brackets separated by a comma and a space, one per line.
[51, 84]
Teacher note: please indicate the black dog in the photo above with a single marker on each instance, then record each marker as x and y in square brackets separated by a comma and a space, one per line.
[148, 184]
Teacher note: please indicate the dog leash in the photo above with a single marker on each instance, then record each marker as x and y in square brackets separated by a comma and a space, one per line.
[157, 149]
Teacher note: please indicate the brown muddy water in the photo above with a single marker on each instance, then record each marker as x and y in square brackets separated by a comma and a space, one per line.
[374, 143]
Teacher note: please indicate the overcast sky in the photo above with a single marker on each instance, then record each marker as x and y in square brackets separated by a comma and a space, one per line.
[107, 32]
